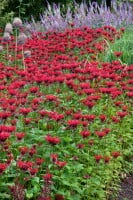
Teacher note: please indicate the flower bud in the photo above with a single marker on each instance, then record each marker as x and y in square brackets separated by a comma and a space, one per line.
[8, 28]
[21, 39]
[17, 22]
[6, 37]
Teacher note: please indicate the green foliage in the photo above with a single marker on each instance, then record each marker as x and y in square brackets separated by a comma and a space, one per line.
[4, 15]
[123, 45]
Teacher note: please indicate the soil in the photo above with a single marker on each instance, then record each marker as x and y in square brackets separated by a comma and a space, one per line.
[126, 191]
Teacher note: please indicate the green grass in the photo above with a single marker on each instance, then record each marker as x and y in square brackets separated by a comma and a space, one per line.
[124, 44]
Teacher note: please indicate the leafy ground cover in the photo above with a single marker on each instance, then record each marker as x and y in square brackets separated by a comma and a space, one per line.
[65, 115]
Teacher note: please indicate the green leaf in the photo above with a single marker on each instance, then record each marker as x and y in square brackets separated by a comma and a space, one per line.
[29, 194]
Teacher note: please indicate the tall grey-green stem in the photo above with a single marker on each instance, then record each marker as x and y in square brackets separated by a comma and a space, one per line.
[7, 52]
[23, 58]
[16, 46]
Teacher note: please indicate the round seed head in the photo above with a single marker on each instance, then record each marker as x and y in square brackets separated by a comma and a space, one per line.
[6, 37]
[17, 22]
[8, 28]
[27, 54]
[21, 39]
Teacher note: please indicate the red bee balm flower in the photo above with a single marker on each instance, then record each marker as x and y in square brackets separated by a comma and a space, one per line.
[98, 157]
[47, 177]
[39, 161]
[3, 167]
[24, 165]
[4, 136]
[115, 154]
[33, 171]
[54, 157]
[61, 164]
[52, 140]
[106, 159]
[103, 118]
[118, 54]
[101, 134]
[85, 134]
[20, 135]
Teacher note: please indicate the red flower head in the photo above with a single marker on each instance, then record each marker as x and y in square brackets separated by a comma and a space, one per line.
[115, 119]
[33, 171]
[23, 150]
[4, 136]
[101, 134]
[85, 134]
[106, 159]
[3, 167]
[24, 165]
[61, 164]
[39, 161]
[98, 157]
[115, 154]
[20, 136]
[47, 177]
[54, 157]
[103, 117]
[118, 54]
[122, 114]
[52, 140]
[80, 146]
[74, 123]
[25, 111]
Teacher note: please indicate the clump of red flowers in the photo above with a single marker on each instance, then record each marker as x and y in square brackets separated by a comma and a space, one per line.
[52, 139]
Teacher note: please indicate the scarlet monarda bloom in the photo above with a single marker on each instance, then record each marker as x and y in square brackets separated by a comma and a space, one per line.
[4, 136]
[60, 164]
[98, 157]
[85, 134]
[52, 140]
[118, 54]
[33, 171]
[115, 154]
[39, 161]
[54, 157]
[106, 159]
[100, 134]
[20, 136]
[24, 165]
[3, 167]
[48, 177]
[74, 123]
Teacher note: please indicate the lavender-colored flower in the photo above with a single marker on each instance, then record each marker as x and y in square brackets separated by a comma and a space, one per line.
[84, 15]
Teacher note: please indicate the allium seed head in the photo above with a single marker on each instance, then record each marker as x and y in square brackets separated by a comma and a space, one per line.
[6, 37]
[8, 28]
[21, 39]
[17, 22]
[27, 54]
